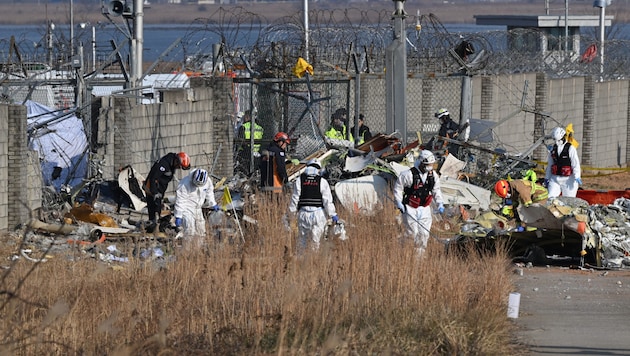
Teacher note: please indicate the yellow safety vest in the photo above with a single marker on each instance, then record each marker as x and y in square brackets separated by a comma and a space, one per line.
[338, 135]
[258, 134]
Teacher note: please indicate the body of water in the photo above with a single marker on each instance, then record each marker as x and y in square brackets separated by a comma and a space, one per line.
[157, 38]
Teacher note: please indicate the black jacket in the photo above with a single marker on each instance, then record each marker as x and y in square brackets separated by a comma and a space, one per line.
[161, 174]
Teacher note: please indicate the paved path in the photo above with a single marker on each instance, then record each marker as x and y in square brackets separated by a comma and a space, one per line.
[574, 312]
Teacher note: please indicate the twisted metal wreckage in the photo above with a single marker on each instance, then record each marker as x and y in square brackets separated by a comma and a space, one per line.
[581, 231]
[562, 230]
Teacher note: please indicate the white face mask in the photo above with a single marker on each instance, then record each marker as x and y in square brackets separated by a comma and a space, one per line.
[559, 142]
[428, 167]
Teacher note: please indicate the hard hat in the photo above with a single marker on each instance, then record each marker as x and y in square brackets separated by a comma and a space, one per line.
[314, 163]
[558, 133]
[426, 157]
[441, 113]
[184, 160]
[502, 188]
[281, 136]
[200, 177]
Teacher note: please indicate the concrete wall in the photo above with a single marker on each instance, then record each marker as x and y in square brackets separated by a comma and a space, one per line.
[610, 124]
[4, 168]
[508, 101]
[199, 121]
[196, 121]
[19, 170]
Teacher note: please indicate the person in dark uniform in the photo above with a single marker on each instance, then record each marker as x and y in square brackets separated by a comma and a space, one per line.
[273, 170]
[157, 181]
[449, 129]
[364, 133]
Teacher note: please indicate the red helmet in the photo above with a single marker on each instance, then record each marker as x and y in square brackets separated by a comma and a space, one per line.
[281, 136]
[502, 188]
[184, 160]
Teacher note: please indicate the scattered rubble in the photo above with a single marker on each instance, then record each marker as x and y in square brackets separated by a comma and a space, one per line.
[570, 230]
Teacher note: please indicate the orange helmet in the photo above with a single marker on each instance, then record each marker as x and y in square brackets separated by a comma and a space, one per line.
[502, 188]
[184, 160]
[281, 136]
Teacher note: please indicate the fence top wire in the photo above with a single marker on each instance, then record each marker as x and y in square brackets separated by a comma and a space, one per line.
[272, 47]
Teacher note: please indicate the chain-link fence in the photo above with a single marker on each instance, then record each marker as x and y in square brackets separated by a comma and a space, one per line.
[302, 109]
[341, 44]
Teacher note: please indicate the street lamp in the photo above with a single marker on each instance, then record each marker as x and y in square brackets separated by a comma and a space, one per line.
[602, 30]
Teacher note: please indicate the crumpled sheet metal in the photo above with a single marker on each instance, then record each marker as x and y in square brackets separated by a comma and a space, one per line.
[85, 213]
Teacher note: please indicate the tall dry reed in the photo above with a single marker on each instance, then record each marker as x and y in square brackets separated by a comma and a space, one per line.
[370, 294]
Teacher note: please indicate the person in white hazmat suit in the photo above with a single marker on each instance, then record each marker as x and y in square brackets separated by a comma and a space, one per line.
[414, 191]
[312, 200]
[563, 173]
[194, 192]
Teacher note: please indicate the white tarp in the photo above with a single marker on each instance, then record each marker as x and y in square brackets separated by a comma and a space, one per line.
[61, 142]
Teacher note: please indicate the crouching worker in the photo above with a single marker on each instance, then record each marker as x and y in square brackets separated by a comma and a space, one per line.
[413, 192]
[160, 175]
[312, 200]
[194, 192]
[519, 191]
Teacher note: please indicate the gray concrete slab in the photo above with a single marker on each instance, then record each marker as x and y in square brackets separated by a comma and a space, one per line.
[574, 312]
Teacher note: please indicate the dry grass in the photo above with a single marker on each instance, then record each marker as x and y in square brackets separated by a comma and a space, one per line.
[367, 295]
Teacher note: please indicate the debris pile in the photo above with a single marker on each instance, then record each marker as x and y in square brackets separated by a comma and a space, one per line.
[361, 179]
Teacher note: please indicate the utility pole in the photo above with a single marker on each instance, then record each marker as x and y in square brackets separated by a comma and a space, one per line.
[306, 30]
[601, 4]
[137, 42]
[49, 42]
[396, 75]
[71, 29]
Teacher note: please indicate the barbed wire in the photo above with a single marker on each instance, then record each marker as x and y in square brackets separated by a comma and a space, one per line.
[272, 47]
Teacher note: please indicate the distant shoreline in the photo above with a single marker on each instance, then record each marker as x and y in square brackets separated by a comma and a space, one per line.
[33, 14]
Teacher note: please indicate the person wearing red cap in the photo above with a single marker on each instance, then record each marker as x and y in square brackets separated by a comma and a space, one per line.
[157, 181]
[273, 170]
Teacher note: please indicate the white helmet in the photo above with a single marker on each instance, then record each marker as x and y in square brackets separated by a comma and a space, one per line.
[558, 133]
[426, 157]
[313, 167]
[314, 163]
[441, 113]
[199, 177]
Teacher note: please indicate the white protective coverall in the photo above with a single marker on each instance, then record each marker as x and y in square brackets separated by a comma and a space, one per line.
[417, 221]
[188, 203]
[567, 185]
[311, 220]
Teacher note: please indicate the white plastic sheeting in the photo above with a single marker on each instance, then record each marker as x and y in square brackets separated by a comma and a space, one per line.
[60, 140]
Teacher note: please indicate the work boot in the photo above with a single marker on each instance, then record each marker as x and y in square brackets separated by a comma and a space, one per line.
[150, 226]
